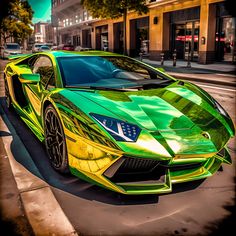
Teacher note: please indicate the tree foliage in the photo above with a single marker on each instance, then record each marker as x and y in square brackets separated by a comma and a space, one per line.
[16, 19]
[5, 9]
[112, 9]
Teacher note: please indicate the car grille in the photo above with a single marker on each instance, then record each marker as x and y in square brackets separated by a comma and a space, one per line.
[137, 170]
[180, 167]
[136, 165]
[130, 169]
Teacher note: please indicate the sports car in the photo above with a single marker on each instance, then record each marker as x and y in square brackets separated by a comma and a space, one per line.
[117, 122]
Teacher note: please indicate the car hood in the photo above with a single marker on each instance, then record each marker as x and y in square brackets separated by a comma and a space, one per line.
[176, 113]
[13, 50]
[157, 109]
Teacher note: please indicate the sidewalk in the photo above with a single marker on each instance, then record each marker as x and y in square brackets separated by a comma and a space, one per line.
[13, 220]
[27, 203]
[216, 73]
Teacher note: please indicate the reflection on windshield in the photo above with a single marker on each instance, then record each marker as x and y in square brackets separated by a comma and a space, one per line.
[108, 72]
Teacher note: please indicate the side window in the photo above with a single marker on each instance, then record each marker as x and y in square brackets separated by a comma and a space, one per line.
[28, 62]
[44, 67]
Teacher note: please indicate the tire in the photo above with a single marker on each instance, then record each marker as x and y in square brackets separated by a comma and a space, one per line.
[55, 140]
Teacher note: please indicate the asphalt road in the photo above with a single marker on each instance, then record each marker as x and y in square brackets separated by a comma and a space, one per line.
[198, 208]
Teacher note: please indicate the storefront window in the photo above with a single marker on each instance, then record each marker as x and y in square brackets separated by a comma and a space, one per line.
[139, 36]
[228, 38]
[102, 38]
[186, 40]
[225, 35]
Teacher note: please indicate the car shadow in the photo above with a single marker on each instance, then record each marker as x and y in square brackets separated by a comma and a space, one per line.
[36, 161]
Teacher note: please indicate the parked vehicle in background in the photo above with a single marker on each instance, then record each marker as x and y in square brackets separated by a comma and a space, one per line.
[44, 48]
[36, 47]
[67, 47]
[53, 48]
[79, 49]
[50, 45]
[10, 49]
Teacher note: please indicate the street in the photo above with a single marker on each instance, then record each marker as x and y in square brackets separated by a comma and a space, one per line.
[205, 207]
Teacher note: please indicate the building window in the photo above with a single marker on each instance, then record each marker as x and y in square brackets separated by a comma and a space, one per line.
[89, 17]
[85, 15]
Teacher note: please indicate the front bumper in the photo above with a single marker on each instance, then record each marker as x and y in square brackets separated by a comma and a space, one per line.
[134, 175]
[166, 175]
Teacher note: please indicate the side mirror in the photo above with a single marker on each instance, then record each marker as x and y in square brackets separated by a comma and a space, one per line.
[29, 78]
[161, 69]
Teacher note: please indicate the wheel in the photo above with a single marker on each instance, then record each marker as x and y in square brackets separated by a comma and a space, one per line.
[55, 140]
[7, 96]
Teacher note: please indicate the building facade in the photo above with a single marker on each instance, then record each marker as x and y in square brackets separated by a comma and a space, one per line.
[73, 24]
[49, 30]
[201, 30]
[40, 32]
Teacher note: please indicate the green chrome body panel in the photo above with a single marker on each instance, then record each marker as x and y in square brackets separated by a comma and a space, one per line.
[180, 127]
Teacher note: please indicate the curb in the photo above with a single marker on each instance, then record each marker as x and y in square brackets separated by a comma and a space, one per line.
[199, 76]
[44, 213]
[192, 77]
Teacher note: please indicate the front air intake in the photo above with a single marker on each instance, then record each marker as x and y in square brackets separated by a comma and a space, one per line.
[138, 165]
[129, 169]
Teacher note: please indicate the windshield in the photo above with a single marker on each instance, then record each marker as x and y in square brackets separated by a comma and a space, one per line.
[38, 45]
[13, 46]
[45, 47]
[107, 72]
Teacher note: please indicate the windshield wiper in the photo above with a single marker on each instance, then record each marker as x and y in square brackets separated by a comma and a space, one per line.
[144, 85]
[100, 88]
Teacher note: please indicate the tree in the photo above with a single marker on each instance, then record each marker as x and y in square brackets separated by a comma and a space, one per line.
[15, 20]
[5, 10]
[112, 9]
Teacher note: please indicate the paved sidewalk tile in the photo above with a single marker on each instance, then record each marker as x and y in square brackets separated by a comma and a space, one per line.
[13, 219]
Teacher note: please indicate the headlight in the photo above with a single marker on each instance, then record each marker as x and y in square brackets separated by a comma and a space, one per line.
[220, 109]
[118, 129]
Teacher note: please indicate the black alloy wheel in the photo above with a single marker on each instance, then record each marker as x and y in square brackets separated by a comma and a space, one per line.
[55, 140]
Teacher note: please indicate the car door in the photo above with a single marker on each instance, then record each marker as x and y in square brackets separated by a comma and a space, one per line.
[36, 92]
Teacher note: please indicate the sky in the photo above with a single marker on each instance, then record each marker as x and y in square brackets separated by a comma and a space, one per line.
[42, 10]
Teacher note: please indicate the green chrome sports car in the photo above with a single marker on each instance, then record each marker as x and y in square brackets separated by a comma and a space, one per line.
[117, 122]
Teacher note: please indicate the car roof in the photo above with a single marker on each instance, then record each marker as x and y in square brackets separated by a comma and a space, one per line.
[37, 44]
